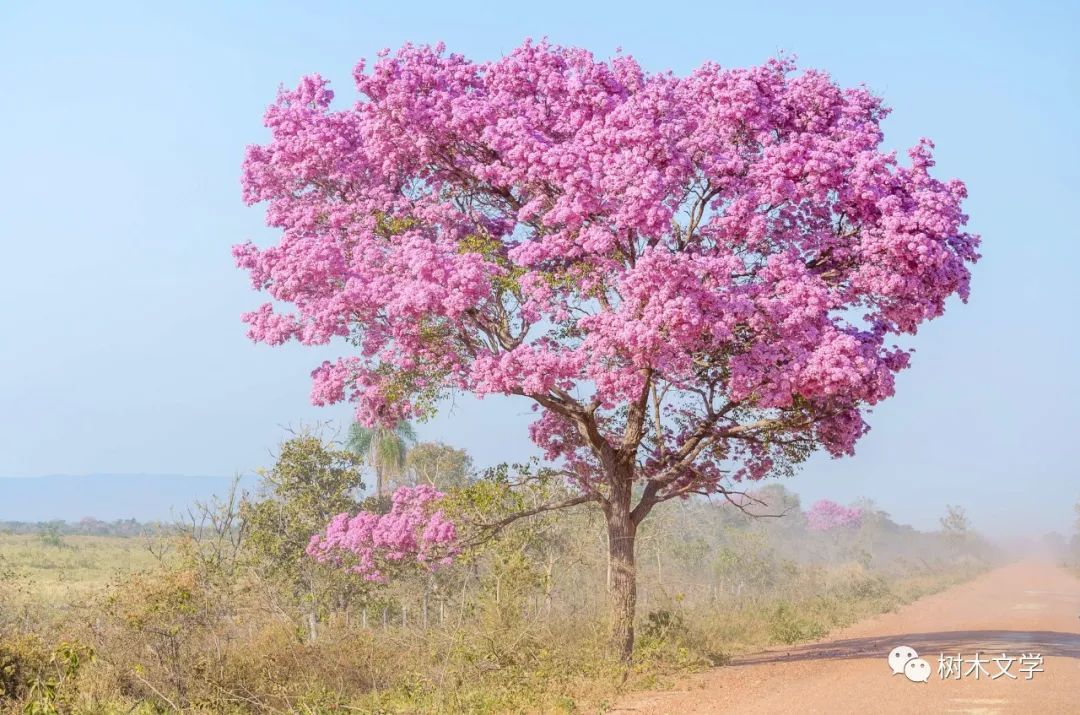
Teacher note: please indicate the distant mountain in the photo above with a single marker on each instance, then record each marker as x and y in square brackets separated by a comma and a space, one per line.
[145, 497]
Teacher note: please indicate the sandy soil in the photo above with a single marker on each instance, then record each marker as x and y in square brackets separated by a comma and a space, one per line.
[1017, 609]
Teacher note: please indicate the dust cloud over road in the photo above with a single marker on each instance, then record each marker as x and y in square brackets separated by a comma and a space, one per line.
[1019, 609]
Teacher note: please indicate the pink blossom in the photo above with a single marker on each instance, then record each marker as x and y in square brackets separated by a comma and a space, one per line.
[584, 233]
[412, 530]
[825, 515]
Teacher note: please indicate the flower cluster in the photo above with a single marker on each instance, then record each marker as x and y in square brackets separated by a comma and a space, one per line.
[826, 515]
[413, 529]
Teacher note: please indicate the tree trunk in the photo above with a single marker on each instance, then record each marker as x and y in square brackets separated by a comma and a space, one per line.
[312, 616]
[621, 533]
[608, 582]
[548, 585]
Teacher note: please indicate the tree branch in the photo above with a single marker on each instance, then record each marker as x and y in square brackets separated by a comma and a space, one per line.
[635, 420]
[490, 529]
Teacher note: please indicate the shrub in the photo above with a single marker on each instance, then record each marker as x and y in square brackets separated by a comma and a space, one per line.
[43, 681]
[787, 626]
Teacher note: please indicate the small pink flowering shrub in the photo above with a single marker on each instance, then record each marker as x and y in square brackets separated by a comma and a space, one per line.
[825, 515]
[414, 530]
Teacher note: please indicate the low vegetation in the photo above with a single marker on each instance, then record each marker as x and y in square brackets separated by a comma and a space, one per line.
[226, 614]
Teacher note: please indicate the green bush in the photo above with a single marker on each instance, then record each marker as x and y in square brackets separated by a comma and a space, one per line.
[787, 626]
[41, 680]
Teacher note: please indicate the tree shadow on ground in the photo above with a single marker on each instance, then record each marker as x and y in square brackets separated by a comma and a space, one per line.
[1047, 643]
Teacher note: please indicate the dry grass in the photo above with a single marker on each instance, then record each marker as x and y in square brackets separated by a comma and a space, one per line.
[76, 570]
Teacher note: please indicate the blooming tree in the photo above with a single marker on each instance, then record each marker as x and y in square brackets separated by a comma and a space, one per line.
[826, 515]
[694, 279]
[414, 530]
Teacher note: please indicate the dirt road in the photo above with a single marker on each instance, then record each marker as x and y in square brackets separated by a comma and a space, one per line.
[1020, 609]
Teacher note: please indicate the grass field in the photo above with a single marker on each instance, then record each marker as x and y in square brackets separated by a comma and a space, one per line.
[72, 570]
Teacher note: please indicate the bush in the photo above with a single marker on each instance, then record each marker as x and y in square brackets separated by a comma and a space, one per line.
[42, 681]
[22, 658]
[787, 626]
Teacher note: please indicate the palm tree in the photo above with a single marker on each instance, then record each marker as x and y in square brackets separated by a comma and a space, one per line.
[383, 447]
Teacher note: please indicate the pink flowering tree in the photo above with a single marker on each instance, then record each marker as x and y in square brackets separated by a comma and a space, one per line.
[694, 279]
[827, 515]
[414, 531]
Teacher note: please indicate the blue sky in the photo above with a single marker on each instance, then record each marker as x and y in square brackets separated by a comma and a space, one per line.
[122, 133]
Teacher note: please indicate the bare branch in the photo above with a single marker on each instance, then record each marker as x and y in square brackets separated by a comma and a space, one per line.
[490, 529]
